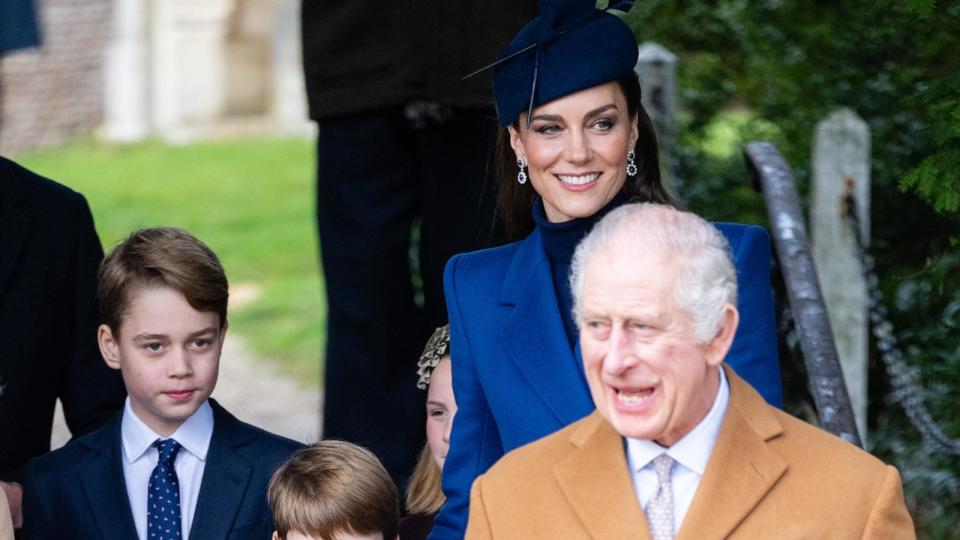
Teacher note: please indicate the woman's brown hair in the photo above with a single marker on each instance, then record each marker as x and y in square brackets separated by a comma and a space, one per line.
[514, 200]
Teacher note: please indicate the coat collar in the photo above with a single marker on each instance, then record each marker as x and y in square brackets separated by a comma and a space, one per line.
[101, 479]
[14, 222]
[596, 479]
[543, 356]
[225, 477]
[742, 468]
[224, 484]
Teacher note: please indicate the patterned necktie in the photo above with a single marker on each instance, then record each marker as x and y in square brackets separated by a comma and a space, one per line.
[163, 501]
[660, 508]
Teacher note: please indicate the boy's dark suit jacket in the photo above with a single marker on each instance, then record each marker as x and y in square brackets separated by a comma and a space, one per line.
[78, 492]
[49, 255]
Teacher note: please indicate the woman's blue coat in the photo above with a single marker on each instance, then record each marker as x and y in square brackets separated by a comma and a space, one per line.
[515, 377]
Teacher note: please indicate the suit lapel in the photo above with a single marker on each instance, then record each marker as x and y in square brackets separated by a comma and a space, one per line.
[225, 478]
[102, 481]
[545, 360]
[742, 468]
[14, 225]
[596, 481]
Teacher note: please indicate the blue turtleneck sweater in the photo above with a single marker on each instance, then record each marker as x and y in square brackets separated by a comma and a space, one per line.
[560, 241]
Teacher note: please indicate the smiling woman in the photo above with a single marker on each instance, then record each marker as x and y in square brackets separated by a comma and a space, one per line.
[573, 125]
[576, 150]
[604, 126]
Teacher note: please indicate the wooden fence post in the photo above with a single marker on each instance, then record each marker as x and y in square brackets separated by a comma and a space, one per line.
[657, 69]
[841, 164]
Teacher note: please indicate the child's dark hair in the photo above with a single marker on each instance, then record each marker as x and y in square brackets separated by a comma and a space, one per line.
[161, 257]
[331, 487]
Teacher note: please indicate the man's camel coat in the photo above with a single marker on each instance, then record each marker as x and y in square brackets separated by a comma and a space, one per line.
[770, 476]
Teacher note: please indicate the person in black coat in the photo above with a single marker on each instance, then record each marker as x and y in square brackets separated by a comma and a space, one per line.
[402, 140]
[49, 255]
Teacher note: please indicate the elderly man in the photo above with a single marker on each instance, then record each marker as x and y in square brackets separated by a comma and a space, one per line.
[679, 446]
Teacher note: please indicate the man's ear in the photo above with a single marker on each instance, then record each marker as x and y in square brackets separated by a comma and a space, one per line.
[109, 348]
[717, 347]
[276, 535]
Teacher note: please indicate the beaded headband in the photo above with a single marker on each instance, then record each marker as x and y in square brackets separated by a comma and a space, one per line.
[437, 347]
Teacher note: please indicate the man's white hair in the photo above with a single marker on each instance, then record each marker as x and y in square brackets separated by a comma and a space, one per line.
[706, 280]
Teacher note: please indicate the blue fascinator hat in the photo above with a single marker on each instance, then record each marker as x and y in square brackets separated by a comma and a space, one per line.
[570, 46]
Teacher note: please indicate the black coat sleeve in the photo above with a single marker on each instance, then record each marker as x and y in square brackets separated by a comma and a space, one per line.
[90, 391]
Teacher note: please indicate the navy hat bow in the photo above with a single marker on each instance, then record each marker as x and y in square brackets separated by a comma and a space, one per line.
[570, 46]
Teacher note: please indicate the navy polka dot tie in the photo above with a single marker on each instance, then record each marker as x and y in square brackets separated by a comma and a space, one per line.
[163, 500]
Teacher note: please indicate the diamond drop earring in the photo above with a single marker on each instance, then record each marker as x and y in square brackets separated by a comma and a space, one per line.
[522, 174]
[631, 163]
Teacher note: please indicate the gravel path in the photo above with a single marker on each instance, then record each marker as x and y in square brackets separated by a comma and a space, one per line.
[255, 393]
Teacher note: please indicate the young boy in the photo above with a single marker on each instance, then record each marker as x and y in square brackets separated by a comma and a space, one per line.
[334, 490]
[173, 464]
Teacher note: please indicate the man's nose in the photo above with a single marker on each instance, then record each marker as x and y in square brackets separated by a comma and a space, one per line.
[621, 355]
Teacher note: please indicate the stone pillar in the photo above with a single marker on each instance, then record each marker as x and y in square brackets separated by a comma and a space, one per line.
[289, 105]
[189, 43]
[126, 74]
[841, 161]
[657, 69]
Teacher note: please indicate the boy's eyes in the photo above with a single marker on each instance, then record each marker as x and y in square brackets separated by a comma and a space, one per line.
[199, 343]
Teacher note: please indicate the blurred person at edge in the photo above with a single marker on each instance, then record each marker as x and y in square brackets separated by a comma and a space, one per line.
[402, 140]
[18, 30]
[424, 496]
[6, 524]
[575, 142]
[49, 255]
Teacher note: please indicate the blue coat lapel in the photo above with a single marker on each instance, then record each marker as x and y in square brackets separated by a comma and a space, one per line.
[225, 478]
[545, 360]
[102, 481]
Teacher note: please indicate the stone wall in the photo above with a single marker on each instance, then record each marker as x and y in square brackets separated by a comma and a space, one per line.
[53, 93]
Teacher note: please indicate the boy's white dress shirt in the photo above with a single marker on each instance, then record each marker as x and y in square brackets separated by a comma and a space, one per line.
[140, 458]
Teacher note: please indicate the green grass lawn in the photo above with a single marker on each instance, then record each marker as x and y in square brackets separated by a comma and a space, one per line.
[251, 201]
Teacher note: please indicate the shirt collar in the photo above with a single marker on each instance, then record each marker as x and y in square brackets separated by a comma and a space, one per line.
[694, 449]
[193, 435]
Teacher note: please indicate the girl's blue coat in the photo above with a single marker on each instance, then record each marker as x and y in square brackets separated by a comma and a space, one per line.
[514, 375]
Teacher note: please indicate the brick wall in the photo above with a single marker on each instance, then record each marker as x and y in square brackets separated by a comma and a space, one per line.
[51, 94]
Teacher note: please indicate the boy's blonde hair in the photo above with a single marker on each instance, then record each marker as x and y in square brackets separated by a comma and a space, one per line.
[331, 487]
[161, 257]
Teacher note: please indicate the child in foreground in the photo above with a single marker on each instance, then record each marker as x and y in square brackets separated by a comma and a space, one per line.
[333, 490]
[173, 463]
[424, 495]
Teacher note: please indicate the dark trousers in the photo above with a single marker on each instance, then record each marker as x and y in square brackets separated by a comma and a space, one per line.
[379, 173]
